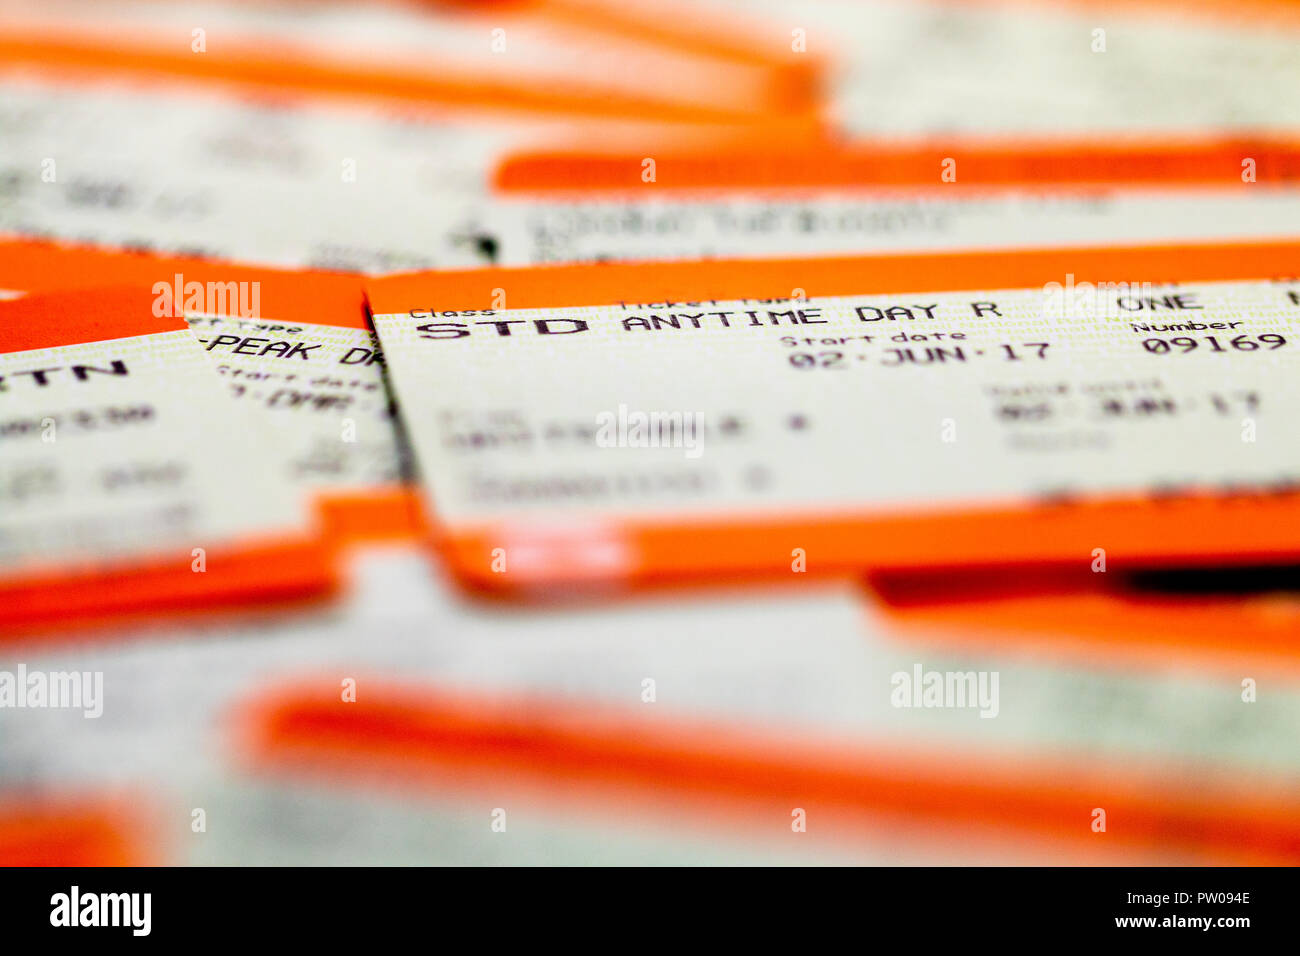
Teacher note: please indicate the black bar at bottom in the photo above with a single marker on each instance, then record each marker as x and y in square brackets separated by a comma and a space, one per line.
[964, 905]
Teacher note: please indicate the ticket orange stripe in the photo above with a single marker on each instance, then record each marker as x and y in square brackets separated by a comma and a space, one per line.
[70, 834]
[677, 26]
[795, 80]
[1104, 618]
[379, 514]
[401, 730]
[286, 295]
[732, 279]
[255, 572]
[1221, 633]
[1160, 164]
[1194, 530]
[75, 318]
[258, 65]
[1254, 13]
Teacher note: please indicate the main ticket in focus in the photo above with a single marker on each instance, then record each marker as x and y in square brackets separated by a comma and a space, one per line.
[858, 417]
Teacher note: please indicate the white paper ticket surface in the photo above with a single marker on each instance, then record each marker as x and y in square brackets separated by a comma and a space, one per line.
[319, 184]
[129, 446]
[201, 173]
[936, 68]
[872, 403]
[813, 222]
[319, 389]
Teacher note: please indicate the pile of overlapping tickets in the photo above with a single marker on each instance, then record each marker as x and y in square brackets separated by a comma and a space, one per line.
[582, 431]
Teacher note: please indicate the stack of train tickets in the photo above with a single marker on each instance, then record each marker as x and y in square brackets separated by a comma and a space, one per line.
[595, 432]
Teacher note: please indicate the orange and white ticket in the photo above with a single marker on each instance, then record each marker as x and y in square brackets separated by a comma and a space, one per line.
[767, 200]
[634, 422]
[295, 348]
[125, 478]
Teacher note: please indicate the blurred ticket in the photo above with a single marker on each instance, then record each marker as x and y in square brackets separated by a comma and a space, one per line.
[1007, 68]
[584, 206]
[575, 55]
[277, 182]
[126, 477]
[807, 698]
[378, 180]
[802, 695]
[308, 181]
[628, 422]
[816, 221]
